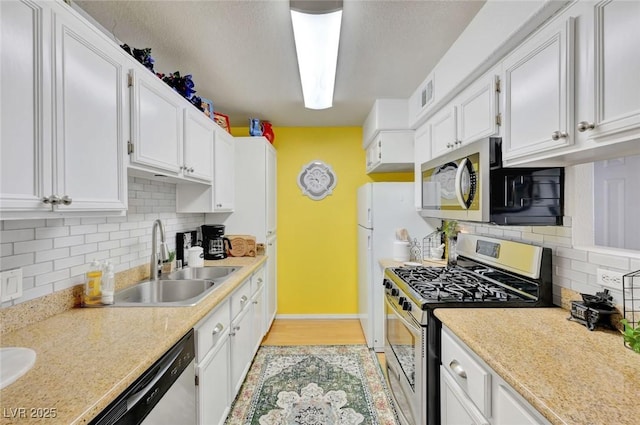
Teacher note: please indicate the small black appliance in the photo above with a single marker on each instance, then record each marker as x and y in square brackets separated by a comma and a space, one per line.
[214, 244]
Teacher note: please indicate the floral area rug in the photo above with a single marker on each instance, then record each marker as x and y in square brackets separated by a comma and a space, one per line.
[313, 385]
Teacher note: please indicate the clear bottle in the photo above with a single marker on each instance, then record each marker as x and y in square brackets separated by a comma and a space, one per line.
[93, 284]
[108, 284]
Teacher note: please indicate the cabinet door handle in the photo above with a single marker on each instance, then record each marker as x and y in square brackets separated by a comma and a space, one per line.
[585, 125]
[191, 170]
[255, 302]
[458, 369]
[557, 135]
[243, 299]
[219, 328]
[449, 145]
[260, 280]
[66, 200]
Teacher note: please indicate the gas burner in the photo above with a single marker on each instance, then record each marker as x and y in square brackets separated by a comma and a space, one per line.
[463, 285]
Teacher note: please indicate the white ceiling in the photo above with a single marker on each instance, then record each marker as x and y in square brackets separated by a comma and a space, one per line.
[242, 55]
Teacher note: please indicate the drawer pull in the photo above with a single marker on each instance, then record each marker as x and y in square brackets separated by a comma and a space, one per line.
[457, 369]
[243, 299]
[219, 328]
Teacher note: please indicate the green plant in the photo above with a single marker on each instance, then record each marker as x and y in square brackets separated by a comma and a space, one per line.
[172, 256]
[450, 228]
[631, 335]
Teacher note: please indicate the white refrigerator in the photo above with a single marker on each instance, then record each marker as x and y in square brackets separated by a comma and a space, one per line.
[382, 208]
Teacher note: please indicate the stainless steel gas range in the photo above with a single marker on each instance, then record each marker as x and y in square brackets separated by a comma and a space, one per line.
[489, 273]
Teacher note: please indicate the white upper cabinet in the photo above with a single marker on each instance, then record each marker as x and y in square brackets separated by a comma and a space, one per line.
[198, 146]
[444, 131]
[477, 109]
[538, 92]
[156, 125]
[90, 119]
[422, 153]
[25, 126]
[271, 190]
[386, 114]
[471, 116]
[220, 195]
[62, 154]
[224, 181]
[391, 151]
[608, 70]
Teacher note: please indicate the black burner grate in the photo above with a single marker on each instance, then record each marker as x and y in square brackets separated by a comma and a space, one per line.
[453, 284]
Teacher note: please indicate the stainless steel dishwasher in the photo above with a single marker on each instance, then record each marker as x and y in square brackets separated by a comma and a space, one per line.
[164, 395]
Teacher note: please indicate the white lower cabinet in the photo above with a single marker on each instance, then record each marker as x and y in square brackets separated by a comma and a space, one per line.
[258, 303]
[473, 393]
[456, 407]
[226, 341]
[214, 399]
[240, 338]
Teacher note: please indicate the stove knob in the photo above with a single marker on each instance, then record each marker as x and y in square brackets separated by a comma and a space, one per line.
[401, 300]
[394, 292]
[387, 284]
[406, 306]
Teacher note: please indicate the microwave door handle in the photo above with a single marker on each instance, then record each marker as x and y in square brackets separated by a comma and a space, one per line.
[458, 184]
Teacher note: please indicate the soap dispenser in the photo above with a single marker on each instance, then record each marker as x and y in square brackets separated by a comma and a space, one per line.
[108, 284]
[93, 285]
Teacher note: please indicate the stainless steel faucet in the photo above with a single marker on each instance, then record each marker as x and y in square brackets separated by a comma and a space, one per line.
[164, 250]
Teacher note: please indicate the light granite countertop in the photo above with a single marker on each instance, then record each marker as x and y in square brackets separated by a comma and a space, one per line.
[569, 374]
[87, 356]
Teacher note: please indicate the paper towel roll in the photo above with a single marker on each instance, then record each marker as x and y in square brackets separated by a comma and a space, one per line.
[195, 257]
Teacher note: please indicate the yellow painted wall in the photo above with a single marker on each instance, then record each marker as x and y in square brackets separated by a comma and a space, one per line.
[317, 240]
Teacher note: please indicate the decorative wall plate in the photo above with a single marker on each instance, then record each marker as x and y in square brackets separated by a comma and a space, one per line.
[317, 180]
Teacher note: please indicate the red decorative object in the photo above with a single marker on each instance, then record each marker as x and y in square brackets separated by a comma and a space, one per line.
[222, 120]
[267, 131]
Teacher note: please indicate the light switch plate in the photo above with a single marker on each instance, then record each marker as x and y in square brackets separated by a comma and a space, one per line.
[10, 284]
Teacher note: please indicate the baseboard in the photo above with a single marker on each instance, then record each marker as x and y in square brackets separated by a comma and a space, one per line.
[316, 316]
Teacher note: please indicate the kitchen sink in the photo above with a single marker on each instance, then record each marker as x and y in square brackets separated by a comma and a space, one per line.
[184, 287]
[208, 273]
[164, 292]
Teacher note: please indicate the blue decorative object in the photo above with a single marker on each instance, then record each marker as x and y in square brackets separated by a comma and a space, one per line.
[255, 128]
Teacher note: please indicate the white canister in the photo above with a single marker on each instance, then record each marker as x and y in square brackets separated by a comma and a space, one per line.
[401, 250]
[195, 257]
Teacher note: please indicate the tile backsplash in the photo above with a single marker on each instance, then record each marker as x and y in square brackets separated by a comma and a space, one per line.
[54, 253]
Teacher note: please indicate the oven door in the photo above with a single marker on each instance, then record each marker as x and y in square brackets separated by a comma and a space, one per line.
[406, 368]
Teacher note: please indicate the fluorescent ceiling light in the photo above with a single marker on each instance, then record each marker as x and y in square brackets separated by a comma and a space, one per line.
[317, 36]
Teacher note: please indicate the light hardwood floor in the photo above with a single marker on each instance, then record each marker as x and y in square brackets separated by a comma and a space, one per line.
[314, 332]
[317, 332]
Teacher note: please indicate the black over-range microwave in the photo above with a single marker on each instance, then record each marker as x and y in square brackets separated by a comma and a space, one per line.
[470, 184]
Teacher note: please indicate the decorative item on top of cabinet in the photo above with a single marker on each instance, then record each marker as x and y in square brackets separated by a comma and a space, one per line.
[223, 121]
[50, 164]
[538, 92]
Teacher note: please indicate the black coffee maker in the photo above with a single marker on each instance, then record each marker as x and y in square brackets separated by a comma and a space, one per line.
[214, 244]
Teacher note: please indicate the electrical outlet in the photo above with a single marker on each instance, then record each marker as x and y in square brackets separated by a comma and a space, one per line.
[610, 279]
[10, 284]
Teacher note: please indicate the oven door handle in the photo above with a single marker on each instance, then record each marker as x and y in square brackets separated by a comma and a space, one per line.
[413, 327]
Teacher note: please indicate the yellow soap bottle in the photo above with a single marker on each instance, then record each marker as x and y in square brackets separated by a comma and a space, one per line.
[93, 285]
